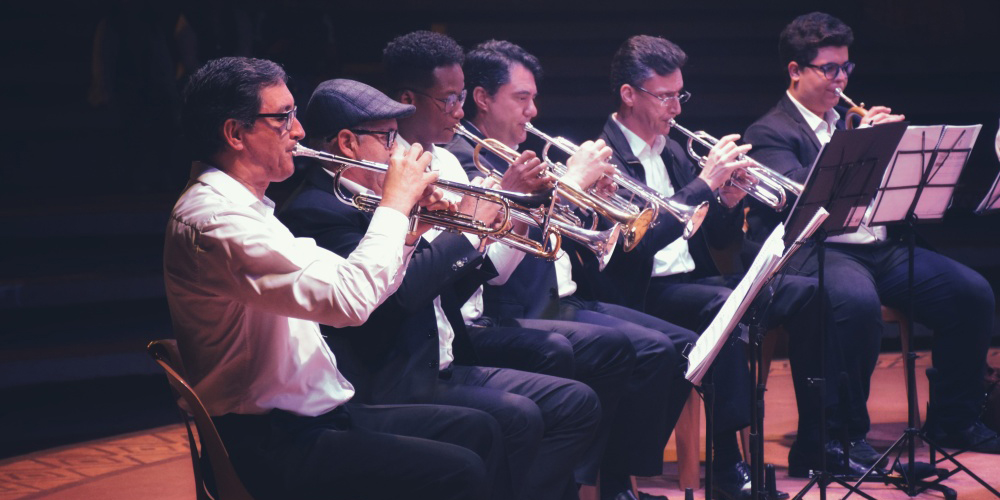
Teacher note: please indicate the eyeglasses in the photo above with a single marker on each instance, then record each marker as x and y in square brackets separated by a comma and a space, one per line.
[683, 96]
[390, 135]
[831, 70]
[286, 116]
[450, 103]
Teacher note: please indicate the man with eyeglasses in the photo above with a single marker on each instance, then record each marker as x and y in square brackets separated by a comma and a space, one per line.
[413, 350]
[501, 77]
[245, 298]
[670, 277]
[869, 267]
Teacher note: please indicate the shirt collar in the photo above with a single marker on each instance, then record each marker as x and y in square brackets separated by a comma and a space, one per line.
[636, 144]
[230, 188]
[828, 122]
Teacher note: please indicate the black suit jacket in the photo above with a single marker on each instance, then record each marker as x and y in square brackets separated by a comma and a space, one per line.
[393, 357]
[532, 291]
[783, 142]
[626, 278]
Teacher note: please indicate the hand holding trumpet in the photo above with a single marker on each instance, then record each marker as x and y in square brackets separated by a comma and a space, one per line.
[724, 161]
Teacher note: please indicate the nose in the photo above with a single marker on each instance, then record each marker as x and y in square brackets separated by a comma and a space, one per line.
[531, 111]
[297, 133]
[458, 113]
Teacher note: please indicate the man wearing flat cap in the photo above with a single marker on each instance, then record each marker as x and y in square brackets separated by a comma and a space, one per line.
[403, 354]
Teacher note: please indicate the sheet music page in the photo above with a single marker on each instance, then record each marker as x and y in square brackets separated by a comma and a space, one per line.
[910, 163]
[770, 259]
[953, 153]
[992, 199]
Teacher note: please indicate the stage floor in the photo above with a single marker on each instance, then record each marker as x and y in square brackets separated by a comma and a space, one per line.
[155, 463]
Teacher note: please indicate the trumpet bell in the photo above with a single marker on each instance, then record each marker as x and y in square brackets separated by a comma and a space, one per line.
[636, 228]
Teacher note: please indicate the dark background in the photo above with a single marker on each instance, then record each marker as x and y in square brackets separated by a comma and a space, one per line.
[92, 158]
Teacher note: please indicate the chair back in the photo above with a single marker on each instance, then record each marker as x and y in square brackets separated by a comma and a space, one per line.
[228, 484]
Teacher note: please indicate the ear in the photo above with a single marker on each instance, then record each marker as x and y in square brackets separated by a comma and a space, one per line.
[233, 133]
[407, 97]
[481, 98]
[627, 93]
[794, 71]
[347, 143]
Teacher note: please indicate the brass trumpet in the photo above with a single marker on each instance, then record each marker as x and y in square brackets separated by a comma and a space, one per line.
[855, 110]
[691, 217]
[558, 217]
[758, 181]
[634, 221]
[513, 206]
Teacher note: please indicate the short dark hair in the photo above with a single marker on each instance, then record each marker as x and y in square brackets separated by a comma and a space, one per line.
[410, 59]
[224, 88]
[488, 66]
[801, 40]
[641, 56]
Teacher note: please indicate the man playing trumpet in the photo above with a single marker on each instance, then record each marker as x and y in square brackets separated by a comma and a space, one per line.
[869, 267]
[413, 350]
[501, 78]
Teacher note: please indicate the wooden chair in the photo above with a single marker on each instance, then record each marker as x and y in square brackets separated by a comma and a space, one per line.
[687, 439]
[228, 484]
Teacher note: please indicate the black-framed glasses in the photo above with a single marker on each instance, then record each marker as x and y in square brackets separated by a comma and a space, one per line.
[286, 116]
[390, 135]
[683, 96]
[450, 103]
[831, 69]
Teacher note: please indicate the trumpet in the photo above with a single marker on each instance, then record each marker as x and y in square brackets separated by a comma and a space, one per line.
[758, 181]
[513, 206]
[691, 217]
[634, 221]
[559, 217]
[855, 110]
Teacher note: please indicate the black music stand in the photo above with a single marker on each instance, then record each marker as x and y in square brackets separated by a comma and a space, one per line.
[918, 187]
[843, 180]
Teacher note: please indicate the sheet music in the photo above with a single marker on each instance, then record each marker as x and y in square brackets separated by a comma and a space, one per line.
[992, 200]
[948, 147]
[770, 259]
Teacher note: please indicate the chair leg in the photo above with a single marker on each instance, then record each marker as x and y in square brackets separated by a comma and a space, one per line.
[687, 435]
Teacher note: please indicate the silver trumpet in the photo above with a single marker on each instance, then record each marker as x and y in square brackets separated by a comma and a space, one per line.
[514, 206]
[691, 217]
[558, 216]
[758, 181]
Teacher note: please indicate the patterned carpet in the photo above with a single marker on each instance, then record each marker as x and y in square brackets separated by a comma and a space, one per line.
[47, 472]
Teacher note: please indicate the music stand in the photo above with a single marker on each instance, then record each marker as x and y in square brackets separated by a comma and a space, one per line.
[919, 186]
[991, 203]
[843, 180]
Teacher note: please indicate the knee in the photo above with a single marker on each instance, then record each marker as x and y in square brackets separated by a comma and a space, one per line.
[555, 356]
[464, 476]
[579, 406]
[520, 420]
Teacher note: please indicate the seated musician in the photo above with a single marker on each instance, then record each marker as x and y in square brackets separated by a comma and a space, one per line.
[414, 349]
[869, 267]
[500, 78]
[245, 297]
[677, 279]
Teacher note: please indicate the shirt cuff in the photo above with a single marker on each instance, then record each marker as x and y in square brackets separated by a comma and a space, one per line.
[390, 222]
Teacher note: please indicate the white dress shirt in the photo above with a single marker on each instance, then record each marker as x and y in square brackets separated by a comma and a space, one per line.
[675, 258]
[823, 128]
[245, 296]
[504, 258]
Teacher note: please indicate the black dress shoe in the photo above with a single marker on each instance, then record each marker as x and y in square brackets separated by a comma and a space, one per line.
[628, 495]
[733, 483]
[976, 437]
[802, 461]
[863, 453]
